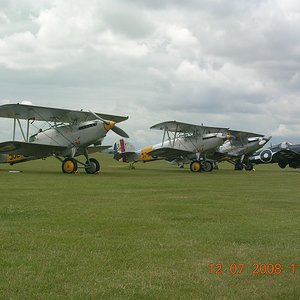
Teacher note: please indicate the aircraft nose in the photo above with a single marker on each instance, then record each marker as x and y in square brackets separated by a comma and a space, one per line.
[228, 137]
[109, 125]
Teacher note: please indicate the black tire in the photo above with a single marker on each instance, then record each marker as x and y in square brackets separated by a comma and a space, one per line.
[282, 164]
[249, 167]
[195, 166]
[238, 166]
[92, 167]
[293, 164]
[69, 166]
[207, 166]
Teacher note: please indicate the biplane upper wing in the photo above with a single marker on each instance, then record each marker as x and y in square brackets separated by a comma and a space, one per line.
[174, 126]
[31, 149]
[168, 153]
[241, 137]
[39, 113]
[114, 118]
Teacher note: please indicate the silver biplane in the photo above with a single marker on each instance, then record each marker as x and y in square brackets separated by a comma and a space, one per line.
[70, 133]
[181, 143]
[239, 148]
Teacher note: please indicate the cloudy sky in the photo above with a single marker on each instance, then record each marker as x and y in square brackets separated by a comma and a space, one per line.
[231, 63]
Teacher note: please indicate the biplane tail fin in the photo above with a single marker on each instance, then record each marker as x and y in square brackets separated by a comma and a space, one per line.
[124, 151]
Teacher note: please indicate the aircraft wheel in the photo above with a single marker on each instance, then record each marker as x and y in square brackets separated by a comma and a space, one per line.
[238, 166]
[293, 165]
[249, 167]
[195, 166]
[207, 166]
[282, 164]
[69, 165]
[92, 167]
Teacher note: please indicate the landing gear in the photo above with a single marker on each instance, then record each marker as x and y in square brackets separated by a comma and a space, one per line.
[248, 167]
[69, 165]
[92, 166]
[195, 166]
[293, 165]
[282, 164]
[207, 166]
[238, 166]
[198, 166]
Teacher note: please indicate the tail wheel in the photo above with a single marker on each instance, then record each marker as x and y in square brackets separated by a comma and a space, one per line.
[92, 167]
[195, 166]
[207, 166]
[69, 165]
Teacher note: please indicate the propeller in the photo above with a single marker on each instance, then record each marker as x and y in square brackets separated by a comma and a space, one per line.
[111, 125]
[229, 137]
[120, 131]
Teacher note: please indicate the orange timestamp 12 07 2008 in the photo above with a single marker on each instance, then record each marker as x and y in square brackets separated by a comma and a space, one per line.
[256, 269]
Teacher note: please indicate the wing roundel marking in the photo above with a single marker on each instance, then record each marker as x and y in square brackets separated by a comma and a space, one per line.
[266, 155]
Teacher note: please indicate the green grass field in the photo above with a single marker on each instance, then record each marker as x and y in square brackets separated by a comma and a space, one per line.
[148, 233]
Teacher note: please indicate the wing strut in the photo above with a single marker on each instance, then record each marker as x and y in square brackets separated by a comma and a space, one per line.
[17, 120]
[14, 132]
[164, 135]
[175, 135]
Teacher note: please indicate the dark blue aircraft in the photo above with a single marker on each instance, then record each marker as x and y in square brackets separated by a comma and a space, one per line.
[284, 154]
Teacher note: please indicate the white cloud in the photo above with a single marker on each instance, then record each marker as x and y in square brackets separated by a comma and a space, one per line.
[223, 63]
[4, 20]
[286, 131]
[181, 37]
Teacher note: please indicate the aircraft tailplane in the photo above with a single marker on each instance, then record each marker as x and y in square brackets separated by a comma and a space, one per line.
[124, 151]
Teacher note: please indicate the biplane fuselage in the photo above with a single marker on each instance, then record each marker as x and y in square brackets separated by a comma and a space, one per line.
[231, 149]
[72, 137]
[193, 144]
[83, 134]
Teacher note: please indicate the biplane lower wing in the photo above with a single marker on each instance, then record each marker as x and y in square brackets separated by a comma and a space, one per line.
[94, 149]
[169, 153]
[31, 149]
[91, 149]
